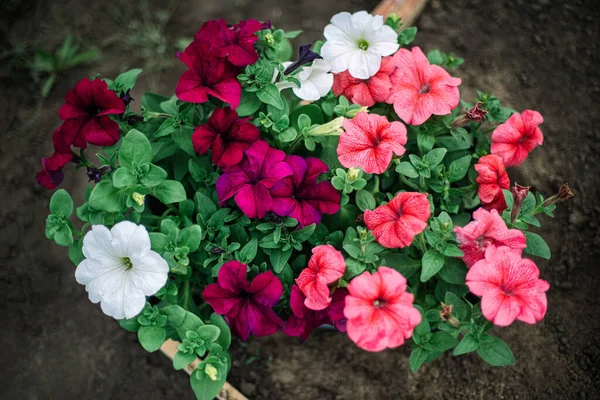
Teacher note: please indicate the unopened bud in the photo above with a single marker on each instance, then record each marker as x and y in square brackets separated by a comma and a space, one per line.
[352, 113]
[446, 315]
[475, 114]
[353, 174]
[564, 193]
[138, 198]
[519, 193]
[211, 372]
[331, 128]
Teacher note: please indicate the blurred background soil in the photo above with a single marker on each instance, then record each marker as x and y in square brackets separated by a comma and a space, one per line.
[55, 344]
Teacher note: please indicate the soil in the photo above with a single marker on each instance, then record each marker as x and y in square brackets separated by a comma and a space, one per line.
[537, 54]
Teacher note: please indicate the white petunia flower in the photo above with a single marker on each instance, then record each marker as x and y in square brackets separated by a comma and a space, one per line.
[356, 42]
[119, 269]
[315, 81]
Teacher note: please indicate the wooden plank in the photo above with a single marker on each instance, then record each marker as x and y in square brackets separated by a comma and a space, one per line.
[408, 10]
[169, 348]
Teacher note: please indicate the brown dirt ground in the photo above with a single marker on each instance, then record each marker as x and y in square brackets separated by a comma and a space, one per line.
[537, 54]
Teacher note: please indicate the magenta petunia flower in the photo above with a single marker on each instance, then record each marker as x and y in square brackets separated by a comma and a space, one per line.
[304, 320]
[509, 287]
[250, 181]
[86, 114]
[207, 76]
[487, 229]
[420, 89]
[300, 196]
[247, 306]
[235, 42]
[226, 135]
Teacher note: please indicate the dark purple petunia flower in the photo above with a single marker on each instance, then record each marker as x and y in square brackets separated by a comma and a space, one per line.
[300, 196]
[247, 306]
[306, 56]
[251, 180]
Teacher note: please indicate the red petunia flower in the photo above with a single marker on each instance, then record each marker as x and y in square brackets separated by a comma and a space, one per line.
[509, 287]
[398, 222]
[250, 181]
[419, 89]
[86, 114]
[300, 196]
[379, 310]
[487, 229]
[326, 265]
[207, 76]
[48, 178]
[236, 42]
[226, 135]
[369, 142]
[247, 306]
[514, 139]
[51, 175]
[366, 92]
[492, 178]
[304, 320]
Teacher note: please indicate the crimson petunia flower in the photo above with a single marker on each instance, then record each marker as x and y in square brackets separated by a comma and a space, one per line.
[51, 175]
[226, 135]
[419, 89]
[235, 42]
[247, 306]
[396, 224]
[369, 142]
[207, 76]
[366, 92]
[487, 229]
[492, 178]
[48, 178]
[300, 196]
[326, 265]
[304, 320]
[250, 181]
[509, 287]
[379, 310]
[86, 114]
[514, 139]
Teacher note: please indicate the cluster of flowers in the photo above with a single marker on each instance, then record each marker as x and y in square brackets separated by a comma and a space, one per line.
[384, 209]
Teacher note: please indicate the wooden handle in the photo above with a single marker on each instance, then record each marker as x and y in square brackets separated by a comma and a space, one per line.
[169, 348]
[408, 10]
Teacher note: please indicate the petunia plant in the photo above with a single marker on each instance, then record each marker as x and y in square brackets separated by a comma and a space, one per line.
[368, 198]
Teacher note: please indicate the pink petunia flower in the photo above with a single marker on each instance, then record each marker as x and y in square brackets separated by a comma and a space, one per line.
[235, 42]
[304, 320]
[487, 229]
[247, 306]
[492, 178]
[366, 92]
[207, 76]
[226, 135]
[300, 196]
[369, 142]
[379, 310]
[326, 265]
[514, 139]
[250, 181]
[509, 287]
[396, 224]
[420, 89]
[86, 114]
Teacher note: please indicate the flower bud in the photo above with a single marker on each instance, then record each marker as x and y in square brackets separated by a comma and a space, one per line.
[446, 315]
[475, 114]
[519, 193]
[138, 198]
[353, 174]
[331, 128]
[564, 193]
[211, 371]
[352, 113]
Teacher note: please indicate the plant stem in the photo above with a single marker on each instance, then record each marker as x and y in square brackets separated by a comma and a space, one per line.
[408, 183]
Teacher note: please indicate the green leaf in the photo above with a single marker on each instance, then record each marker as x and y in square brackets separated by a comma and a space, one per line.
[169, 192]
[459, 307]
[106, 197]
[435, 57]
[425, 142]
[123, 178]
[182, 360]
[224, 339]
[405, 168]
[204, 387]
[407, 35]
[183, 139]
[303, 234]
[402, 263]
[75, 252]
[182, 320]
[417, 358]
[159, 241]
[269, 94]
[249, 104]
[365, 200]
[152, 337]
[509, 198]
[135, 150]
[127, 79]
[209, 333]
[494, 351]
[249, 251]
[442, 341]
[454, 271]
[313, 111]
[61, 204]
[354, 268]
[64, 236]
[190, 237]
[458, 168]
[434, 157]
[131, 324]
[206, 207]
[536, 245]
[432, 262]
[468, 344]
[154, 176]
[279, 258]
[452, 250]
